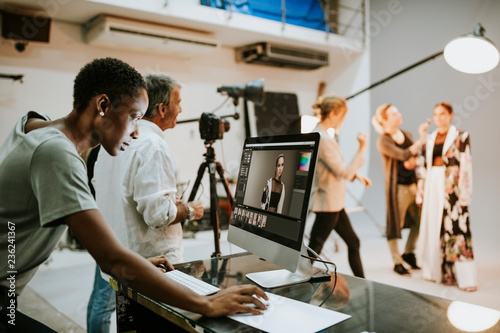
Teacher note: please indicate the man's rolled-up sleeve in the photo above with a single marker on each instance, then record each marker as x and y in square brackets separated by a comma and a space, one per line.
[155, 189]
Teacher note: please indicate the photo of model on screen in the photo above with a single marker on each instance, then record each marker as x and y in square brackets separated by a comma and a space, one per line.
[273, 195]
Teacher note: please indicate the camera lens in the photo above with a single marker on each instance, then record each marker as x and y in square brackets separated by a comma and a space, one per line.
[227, 125]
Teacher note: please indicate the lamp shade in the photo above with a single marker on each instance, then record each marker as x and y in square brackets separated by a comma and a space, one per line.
[252, 91]
[472, 53]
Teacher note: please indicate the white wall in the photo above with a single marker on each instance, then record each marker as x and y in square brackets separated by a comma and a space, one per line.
[411, 32]
[49, 70]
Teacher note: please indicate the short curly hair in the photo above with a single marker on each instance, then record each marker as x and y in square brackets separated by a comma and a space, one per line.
[109, 76]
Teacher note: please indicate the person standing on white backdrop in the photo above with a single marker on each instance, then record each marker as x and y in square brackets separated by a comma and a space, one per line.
[399, 155]
[331, 181]
[445, 245]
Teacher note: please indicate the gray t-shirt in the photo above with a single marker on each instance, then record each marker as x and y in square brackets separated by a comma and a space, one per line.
[42, 180]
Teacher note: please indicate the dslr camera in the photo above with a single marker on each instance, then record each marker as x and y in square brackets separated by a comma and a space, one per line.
[212, 127]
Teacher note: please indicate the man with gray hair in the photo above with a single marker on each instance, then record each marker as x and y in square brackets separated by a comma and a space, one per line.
[136, 193]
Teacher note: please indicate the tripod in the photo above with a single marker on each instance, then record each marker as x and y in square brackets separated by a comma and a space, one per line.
[212, 165]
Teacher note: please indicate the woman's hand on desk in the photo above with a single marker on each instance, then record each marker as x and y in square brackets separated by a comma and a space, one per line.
[234, 300]
[161, 263]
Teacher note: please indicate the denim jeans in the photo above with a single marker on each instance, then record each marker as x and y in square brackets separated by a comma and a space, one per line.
[101, 305]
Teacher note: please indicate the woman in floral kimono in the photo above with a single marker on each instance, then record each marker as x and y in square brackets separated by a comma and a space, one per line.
[445, 246]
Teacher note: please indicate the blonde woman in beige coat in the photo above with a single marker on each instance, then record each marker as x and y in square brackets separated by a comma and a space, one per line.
[331, 177]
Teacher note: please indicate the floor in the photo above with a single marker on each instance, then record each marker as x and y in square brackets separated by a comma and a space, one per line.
[59, 292]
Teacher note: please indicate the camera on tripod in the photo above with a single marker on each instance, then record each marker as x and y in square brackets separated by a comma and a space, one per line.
[212, 127]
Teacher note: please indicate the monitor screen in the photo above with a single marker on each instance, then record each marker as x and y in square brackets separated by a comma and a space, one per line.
[272, 196]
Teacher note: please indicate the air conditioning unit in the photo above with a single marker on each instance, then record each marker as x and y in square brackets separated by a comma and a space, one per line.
[111, 31]
[266, 53]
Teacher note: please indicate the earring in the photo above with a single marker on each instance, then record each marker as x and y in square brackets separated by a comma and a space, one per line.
[101, 114]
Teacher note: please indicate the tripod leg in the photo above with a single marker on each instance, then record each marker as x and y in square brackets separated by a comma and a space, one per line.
[220, 171]
[214, 205]
[201, 171]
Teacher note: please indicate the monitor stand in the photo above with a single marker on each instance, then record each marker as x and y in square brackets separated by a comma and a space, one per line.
[283, 277]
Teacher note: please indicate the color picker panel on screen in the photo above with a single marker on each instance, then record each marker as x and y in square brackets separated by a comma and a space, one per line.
[304, 161]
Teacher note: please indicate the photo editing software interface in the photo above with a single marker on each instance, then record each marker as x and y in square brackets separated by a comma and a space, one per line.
[273, 189]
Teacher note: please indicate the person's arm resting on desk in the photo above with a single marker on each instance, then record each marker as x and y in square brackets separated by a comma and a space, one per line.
[136, 272]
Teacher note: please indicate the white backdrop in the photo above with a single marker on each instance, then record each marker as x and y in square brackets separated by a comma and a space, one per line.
[413, 31]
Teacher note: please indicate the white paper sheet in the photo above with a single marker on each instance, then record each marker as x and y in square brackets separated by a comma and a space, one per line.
[287, 315]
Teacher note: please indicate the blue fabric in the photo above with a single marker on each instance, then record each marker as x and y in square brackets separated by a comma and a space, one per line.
[304, 13]
[101, 305]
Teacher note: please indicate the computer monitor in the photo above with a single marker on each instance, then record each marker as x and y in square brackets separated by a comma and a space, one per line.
[271, 203]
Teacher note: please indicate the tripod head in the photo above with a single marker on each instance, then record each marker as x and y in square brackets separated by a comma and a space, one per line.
[210, 154]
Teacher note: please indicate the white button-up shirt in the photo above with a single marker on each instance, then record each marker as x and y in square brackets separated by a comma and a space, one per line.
[135, 191]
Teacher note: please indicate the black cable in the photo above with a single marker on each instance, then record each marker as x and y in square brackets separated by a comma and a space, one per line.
[318, 259]
[210, 112]
[220, 106]
[334, 285]
[184, 191]
[18, 77]
[202, 191]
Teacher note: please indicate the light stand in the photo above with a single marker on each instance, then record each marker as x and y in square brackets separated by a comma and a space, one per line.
[373, 85]
[472, 53]
[212, 166]
[252, 91]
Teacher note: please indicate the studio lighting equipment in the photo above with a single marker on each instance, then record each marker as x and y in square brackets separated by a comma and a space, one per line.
[253, 91]
[472, 54]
